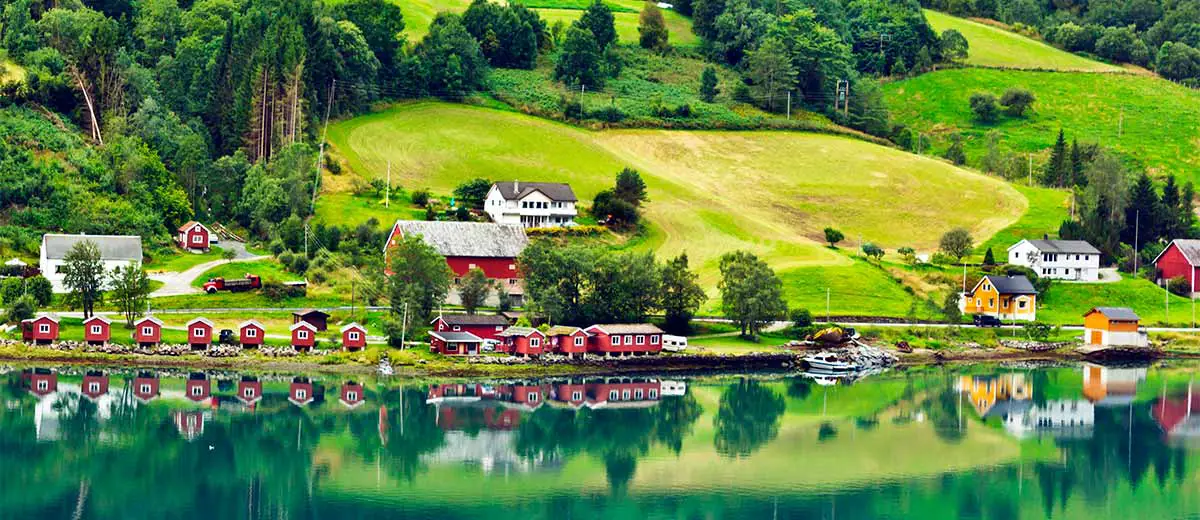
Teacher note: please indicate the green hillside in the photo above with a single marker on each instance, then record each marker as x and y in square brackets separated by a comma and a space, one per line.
[1148, 120]
[995, 47]
[711, 192]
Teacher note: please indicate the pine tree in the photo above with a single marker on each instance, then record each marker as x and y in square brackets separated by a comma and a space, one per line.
[1056, 168]
[1143, 215]
[989, 258]
[1169, 222]
[1077, 165]
[708, 85]
[1187, 213]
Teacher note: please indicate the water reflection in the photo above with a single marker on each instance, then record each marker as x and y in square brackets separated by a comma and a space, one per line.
[986, 442]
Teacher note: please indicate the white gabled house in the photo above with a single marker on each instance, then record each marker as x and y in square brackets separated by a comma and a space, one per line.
[115, 251]
[531, 204]
[1074, 260]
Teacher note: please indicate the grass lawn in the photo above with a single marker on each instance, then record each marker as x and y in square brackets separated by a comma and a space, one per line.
[1158, 129]
[858, 289]
[344, 208]
[1047, 210]
[995, 47]
[246, 300]
[11, 72]
[270, 270]
[1066, 302]
[710, 192]
[181, 260]
[615, 6]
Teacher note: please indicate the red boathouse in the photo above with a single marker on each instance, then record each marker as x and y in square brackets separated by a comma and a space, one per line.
[200, 332]
[193, 235]
[625, 339]
[354, 337]
[251, 334]
[147, 331]
[97, 330]
[523, 341]
[570, 341]
[40, 329]
[304, 335]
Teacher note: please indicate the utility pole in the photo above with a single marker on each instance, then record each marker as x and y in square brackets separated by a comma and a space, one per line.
[1167, 301]
[843, 96]
[387, 192]
[789, 106]
[1137, 222]
[404, 325]
[827, 315]
[1030, 169]
[306, 241]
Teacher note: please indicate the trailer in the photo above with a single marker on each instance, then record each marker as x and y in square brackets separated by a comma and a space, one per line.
[246, 283]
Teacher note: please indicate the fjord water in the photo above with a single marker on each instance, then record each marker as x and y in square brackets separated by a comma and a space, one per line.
[996, 442]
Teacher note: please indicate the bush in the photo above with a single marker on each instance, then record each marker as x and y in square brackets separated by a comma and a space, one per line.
[572, 108]
[1179, 286]
[801, 318]
[573, 231]
[1016, 101]
[608, 114]
[984, 106]
[23, 309]
[421, 197]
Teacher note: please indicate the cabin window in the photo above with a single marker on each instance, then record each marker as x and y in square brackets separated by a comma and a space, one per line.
[44, 328]
[576, 396]
[470, 266]
[197, 239]
[144, 389]
[641, 340]
[625, 395]
[616, 340]
[578, 341]
[534, 396]
[991, 302]
[512, 281]
[456, 327]
[637, 394]
[628, 339]
[94, 387]
[302, 334]
[353, 336]
[250, 333]
[248, 391]
[43, 385]
[535, 342]
[352, 396]
[512, 267]
[612, 395]
[95, 329]
[654, 339]
[1021, 304]
[147, 331]
[198, 331]
[197, 390]
[653, 393]
[452, 347]
[301, 394]
[987, 287]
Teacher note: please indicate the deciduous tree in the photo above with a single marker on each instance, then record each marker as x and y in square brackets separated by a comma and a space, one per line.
[652, 29]
[751, 294]
[957, 243]
[474, 290]
[84, 275]
[131, 290]
[681, 294]
[420, 278]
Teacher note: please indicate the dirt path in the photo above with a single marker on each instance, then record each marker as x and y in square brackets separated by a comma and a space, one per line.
[175, 284]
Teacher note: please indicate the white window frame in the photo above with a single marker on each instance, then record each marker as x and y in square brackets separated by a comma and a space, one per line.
[198, 331]
[624, 395]
[638, 394]
[197, 238]
[249, 392]
[534, 396]
[352, 396]
[301, 394]
[96, 329]
[457, 328]
[44, 328]
[654, 339]
[93, 387]
[251, 332]
[653, 393]
[640, 339]
[352, 335]
[578, 341]
[614, 395]
[628, 339]
[302, 334]
[197, 390]
[147, 331]
[535, 342]
[616, 341]
[576, 395]
[144, 388]
[43, 385]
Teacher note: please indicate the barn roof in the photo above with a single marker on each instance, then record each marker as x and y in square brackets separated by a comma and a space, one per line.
[1072, 247]
[478, 239]
[555, 191]
[112, 247]
[1189, 248]
[1116, 313]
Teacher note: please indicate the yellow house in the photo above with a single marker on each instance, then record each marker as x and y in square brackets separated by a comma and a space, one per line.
[1005, 297]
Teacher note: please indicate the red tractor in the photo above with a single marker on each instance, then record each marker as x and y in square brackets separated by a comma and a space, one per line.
[247, 283]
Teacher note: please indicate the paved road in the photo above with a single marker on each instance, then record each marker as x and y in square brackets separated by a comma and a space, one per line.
[175, 284]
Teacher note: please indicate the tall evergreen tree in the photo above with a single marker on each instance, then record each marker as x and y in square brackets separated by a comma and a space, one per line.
[1056, 172]
[1143, 216]
[598, 19]
[1187, 212]
[1077, 165]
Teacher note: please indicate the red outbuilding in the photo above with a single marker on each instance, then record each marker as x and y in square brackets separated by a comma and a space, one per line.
[300, 393]
[304, 335]
[454, 343]
[486, 326]
[40, 329]
[251, 334]
[625, 339]
[193, 235]
[250, 391]
[1180, 259]
[570, 341]
[145, 387]
[522, 341]
[351, 394]
[198, 388]
[354, 337]
[147, 331]
[200, 331]
[314, 317]
[97, 330]
[95, 384]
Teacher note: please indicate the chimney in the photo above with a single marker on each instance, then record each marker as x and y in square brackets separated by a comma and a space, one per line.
[516, 187]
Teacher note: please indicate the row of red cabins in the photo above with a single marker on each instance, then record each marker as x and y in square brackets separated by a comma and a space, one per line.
[464, 335]
[147, 332]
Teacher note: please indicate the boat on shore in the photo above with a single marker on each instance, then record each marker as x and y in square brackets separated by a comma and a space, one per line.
[830, 362]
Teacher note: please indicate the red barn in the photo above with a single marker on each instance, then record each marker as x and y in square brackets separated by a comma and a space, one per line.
[625, 339]
[1181, 258]
[193, 235]
[454, 343]
[41, 329]
[492, 248]
[300, 393]
[565, 340]
[147, 331]
[354, 337]
[97, 330]
[95, 384]
[200, 332]
[198, 388]
[304, 335]
[486, 326]
[523, 341]
[251, 334]
[250, 391]
[145, 387]
[351, 395]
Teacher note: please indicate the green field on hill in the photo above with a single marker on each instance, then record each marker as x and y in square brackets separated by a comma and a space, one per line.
[710, 192]
[1148, 120]
[996, 47]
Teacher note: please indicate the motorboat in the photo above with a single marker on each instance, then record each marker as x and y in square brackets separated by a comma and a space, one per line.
[830, 362]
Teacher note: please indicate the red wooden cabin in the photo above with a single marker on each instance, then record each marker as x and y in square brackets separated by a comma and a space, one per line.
[625, 339]
[95, 384]
[193, 235]
[40, 329]
[97, 330]
[571, 341]
[354, 337]
[198, 388]
[250, 391]
[304, 335]
[200, 331]
[454, 343]
[486, 326]
[145, 387]
[1181, 258]
[147, 331]
[523, 341]
[351, 394]
[251, 334]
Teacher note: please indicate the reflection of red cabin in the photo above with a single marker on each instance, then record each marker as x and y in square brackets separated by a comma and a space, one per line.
[200, 332]
[190, 423]
[97, 330]
[250, 391]
[352, 395]
[198, 387]
[147, 331]
[623, 392]
[193, 235]
[145, 387]
[314, 317]
[42, 382]
[95, 384]
[354, 337]
[526, 395]
[522, 341]
[300, 392]
[483, 325]
[251, 334]
[566, 340]
[42, 329]
[625, 339]
[304, 335]
[572, 393]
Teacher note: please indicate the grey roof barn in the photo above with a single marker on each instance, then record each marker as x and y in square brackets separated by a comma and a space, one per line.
[475, 239]
[112, 247]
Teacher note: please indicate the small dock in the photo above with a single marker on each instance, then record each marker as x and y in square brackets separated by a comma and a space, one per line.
[1118, 353]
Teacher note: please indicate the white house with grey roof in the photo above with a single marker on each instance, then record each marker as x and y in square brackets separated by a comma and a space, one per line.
[115, 251]
[531, 204]
[1074, 260]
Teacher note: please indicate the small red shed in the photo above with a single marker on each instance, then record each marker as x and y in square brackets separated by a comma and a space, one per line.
[454, 343]
[193, 235]
[351, 394]
[145, 387]
[200, 331]
[486, 326]
[316, 318]
[198, 388]
[251, 334]
[147, 331]
[97, 330]
[354, 337]
[300, 393]
[571, 341]
[40, 329]
[95, 384]
[1180, 259]
[523, 341]
[250, 391]
[304, 335]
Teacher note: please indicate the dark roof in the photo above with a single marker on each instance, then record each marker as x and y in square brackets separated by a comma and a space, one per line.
[1012, 284]
[557, 191]
[1116, 313]
[627, 328]
[112, 247]
[474, 319]
[456, 337]
[478, 239]
[1189, 248]
[1073, 247]
[310, 312]
[191, 224]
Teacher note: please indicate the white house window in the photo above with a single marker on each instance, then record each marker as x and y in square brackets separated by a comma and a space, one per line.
[616, 340]
[198, 331]
[641, 340]
[197, 239]
[456, 327]
[144, 388]
[576, 396]
[533, 397]
[301, 394]
[248, 391]
[535, 342]
[95, 329]
[251, 333]
[353, 336]
[43, 385]
[147, 331]
[94, 387]
[637, 394]
[44, 328]
[197, 390]
[628, 339]
[654, 339]
[625, 395]
[612, 395]
[578, 341]
[303, 334]
[653, 393]
[352, 396]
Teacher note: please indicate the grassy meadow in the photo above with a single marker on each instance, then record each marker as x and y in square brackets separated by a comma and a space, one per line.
[710, 192]
[182, 260]
[1047, 210]
[995, 47]
[1151, 122]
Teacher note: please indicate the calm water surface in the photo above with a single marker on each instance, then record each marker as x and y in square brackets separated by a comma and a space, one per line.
[994, 442]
